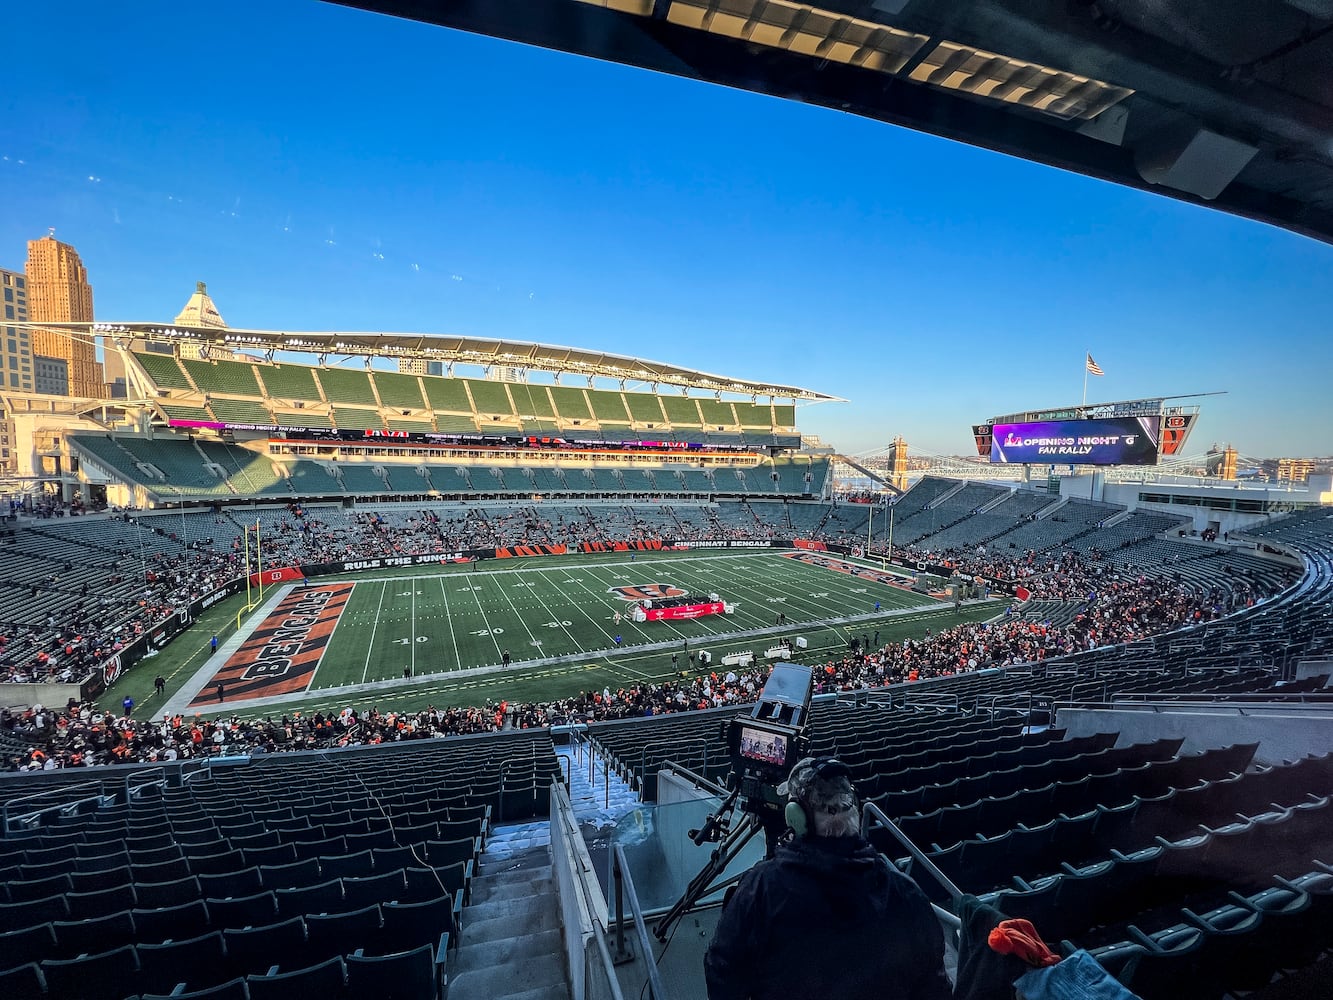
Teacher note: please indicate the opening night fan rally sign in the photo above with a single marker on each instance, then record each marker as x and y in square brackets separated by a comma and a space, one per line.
[1115, 441]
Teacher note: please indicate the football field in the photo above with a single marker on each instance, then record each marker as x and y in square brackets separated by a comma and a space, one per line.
[439, 634]
[471, 617]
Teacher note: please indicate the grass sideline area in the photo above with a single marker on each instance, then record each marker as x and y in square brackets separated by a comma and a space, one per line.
[457, 618]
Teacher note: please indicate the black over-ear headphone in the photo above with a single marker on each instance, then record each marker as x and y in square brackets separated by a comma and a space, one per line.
[800, 820]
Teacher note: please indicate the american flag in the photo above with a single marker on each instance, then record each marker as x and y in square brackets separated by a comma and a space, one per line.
[1093, 367]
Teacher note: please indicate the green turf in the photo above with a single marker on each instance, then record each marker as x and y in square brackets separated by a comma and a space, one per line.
[426, 624]
[442, 619]
[607, 670]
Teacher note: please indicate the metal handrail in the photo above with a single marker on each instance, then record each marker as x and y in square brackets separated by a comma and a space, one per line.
[697, 778]
[643, 751]
[94, 789]
[873, 816]
[1312, 697]
[609, 967]
[907, 698]
[620, 869]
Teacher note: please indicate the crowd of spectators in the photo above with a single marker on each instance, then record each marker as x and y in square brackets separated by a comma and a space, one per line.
[1108, 606]
[1108, 609]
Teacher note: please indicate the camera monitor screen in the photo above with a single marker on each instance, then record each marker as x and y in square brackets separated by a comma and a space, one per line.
[759, 744]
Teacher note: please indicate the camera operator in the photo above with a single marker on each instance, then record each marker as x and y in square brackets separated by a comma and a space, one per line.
[826, 916]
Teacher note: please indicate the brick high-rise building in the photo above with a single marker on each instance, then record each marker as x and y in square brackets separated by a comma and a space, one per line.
[58, 292]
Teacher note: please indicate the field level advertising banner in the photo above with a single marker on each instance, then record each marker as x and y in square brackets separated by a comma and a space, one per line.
[1111, 441]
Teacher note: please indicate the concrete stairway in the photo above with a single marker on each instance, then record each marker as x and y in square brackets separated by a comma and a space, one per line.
[510, 947]
[594, 803]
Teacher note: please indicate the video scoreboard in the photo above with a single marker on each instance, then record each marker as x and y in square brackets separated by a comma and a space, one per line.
[1134, 432]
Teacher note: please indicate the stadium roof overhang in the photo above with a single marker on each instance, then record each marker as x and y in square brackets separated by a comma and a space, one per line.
[1225, 103]
[450, 350]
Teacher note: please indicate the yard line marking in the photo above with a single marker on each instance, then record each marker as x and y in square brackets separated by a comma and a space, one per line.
[449, 623]
[584, 612]
[521, 620]
[489, 631]
[537, 592]
[616, 665]
[370, 647]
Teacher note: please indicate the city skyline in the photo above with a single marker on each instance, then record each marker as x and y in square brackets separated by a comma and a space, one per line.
[454, 184]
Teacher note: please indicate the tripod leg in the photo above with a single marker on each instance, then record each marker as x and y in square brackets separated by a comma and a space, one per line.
[699, 886]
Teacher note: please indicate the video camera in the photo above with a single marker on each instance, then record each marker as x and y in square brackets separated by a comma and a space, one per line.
[766, 744]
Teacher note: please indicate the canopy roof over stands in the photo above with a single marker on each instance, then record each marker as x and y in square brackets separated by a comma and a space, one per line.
[450, 349]
[1224, 103]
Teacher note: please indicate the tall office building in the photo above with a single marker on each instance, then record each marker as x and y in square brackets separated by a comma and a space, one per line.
[15, 347]
[15, 358]
[58, 292]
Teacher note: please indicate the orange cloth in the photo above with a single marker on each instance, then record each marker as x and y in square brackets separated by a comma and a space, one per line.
[1018, 937]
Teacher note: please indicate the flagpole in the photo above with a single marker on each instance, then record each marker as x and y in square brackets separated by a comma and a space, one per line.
[1086, 356]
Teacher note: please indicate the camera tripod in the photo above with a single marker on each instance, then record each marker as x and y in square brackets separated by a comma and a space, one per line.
[731, 840]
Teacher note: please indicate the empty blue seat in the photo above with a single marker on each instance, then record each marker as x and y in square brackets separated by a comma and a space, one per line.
[140, 843]
[216, 864]
[296, 875]
[84, 905]
[356, 865]
[102, 976]
[30, 889]
[369, 841]
[406, 975]
[245, 882]
[146, 859]
[434, 922]
[267, 857]
[325, 981]
[184, 921]
[320, 846]
[75, 937]
[163, 967]
[46, 869]
[154, 895]
[23, 982]
[255, 950]
[243, 911]
[102, 862]
[27, 942]
[324, 897]
[332, 934]
[391, 858]
[233, 989]
[362, 892]
[96, 881]
[448, 852]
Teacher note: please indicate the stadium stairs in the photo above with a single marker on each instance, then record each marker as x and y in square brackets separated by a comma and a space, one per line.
[512, 948]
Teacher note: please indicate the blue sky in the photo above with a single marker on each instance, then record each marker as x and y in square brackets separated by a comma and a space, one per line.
[323, 168]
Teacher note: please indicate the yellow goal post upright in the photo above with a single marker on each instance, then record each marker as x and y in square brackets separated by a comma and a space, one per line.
[251, 602]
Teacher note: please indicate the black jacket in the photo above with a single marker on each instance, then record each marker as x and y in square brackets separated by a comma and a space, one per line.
[827, 917]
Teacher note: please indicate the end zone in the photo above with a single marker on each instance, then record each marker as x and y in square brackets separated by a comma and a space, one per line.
[857, 570]
[280, 656]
